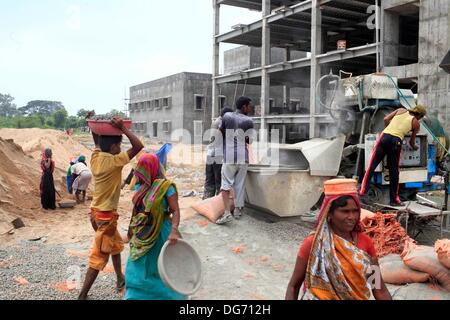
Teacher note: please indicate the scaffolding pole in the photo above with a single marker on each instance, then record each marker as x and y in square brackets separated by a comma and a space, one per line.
[316, 49]
[265, 61]
[216, 57]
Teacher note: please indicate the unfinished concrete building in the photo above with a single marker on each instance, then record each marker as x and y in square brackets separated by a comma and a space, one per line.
[179, 101]
[161, 108]
[411, 40]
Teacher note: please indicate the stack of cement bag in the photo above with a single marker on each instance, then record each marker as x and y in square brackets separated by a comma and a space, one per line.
[425, 269]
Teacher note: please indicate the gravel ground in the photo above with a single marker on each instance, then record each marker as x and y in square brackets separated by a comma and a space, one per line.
[41, 271]
[46, 269]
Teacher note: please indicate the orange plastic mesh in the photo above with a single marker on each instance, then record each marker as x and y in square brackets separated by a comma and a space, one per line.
[387, 234]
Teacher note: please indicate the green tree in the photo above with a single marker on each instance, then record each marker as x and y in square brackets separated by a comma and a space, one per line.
[28, 122]
[60, 118]
[73, 122]
[50, 122]
[41, 106]
[7, 122]
[7, 107]
[41, 119]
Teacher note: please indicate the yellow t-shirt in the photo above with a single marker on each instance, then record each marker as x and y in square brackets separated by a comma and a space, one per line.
[400, 125]
[107, 171]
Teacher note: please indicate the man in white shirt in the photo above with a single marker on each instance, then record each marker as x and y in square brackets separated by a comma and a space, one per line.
[81, 177]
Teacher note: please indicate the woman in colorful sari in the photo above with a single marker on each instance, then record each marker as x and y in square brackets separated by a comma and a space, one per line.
[47, 185]
[338, 261]
[150, 227]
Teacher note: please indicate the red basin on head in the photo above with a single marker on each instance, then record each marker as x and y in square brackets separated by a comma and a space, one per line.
[105, 128]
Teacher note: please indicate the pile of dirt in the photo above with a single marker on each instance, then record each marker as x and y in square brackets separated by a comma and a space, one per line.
[34, 141]
[20, 155]
[20, 177]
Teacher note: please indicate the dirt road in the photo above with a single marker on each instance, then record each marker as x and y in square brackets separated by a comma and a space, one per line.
[247, 259]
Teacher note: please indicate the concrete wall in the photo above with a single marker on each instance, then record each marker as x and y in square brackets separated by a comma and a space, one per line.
[196, 84]
[244, 57]
[434, 43]
[166, 87]
[236, 59]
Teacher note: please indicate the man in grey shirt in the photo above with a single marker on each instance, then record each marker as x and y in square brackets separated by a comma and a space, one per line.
[238, 131]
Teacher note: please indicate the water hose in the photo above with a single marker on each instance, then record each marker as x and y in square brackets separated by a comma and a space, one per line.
[330, 75]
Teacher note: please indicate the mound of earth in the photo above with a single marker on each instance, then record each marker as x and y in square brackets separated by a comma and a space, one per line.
[20, 177]
[34, 141]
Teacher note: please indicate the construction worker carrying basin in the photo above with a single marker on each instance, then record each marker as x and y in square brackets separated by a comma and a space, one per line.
[398, 123]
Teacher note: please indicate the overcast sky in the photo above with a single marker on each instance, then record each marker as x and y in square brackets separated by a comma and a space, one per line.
[87, 53]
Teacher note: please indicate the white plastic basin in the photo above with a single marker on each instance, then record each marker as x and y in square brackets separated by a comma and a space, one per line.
[180, 267]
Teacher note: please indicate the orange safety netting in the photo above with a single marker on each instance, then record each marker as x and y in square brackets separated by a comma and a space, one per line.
[387, 234]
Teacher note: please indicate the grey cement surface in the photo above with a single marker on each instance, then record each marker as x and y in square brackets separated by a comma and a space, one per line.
[261, 271]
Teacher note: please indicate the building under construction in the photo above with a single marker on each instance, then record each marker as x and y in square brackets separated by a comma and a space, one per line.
[406, 39]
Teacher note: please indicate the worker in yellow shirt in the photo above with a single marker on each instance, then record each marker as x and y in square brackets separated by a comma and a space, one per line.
[398, 124]
[107, 162]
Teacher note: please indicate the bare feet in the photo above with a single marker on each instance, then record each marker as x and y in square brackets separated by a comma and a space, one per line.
[120, 284]
[82, 297]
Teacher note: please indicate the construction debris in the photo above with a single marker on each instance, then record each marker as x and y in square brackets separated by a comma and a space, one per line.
[18, 223]
[191, 193]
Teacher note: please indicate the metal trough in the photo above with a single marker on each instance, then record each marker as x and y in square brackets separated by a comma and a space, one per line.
[292, 183]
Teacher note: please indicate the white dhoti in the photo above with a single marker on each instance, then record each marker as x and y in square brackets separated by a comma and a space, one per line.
[81, 183]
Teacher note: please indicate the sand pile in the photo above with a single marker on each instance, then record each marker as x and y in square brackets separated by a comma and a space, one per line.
[34, 141]
[19, 177]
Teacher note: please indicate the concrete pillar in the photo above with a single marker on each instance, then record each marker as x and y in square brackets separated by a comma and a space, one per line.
[390, 39]
[287, 88]
[286, 96]
[316, 48]
[434, 43]
[216, 61]
[265, 60]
